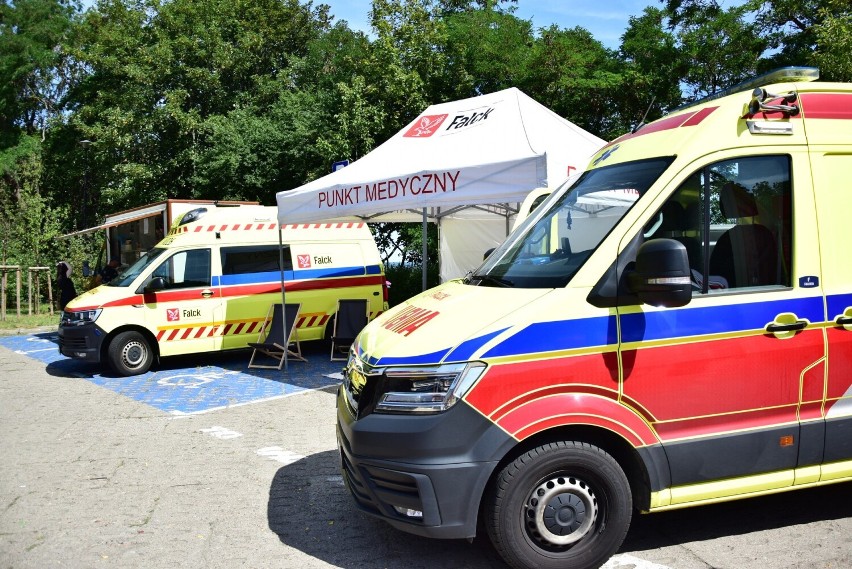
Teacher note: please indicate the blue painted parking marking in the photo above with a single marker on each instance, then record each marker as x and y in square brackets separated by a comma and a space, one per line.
[178, 388]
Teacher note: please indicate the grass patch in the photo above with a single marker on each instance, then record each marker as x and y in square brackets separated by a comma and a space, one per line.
[26, 321]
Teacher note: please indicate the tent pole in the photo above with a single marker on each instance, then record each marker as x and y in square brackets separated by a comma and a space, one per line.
[283, 295]
[425, 249]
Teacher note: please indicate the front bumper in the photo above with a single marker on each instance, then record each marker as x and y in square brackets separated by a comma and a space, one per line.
[82, 342]
[437, 465]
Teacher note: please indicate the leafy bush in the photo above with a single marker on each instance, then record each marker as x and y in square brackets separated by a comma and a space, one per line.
[407, 281]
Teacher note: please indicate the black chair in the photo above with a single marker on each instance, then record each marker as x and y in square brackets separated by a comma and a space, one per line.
[274, 341]
[351, 317]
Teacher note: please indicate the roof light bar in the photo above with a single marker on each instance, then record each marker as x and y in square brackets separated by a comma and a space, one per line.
[781, 75]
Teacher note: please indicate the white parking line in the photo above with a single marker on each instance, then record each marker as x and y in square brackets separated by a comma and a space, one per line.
[626, 561]
[27, 352]
[280, 455]
[221, 433]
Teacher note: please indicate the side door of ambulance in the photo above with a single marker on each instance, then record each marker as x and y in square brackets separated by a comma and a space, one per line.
[250, 283]
[831, 171]
[324, 272]
[721, 379]
[182, 315]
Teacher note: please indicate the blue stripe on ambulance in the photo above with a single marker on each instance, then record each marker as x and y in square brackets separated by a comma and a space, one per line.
[661, 325]
[461, 353]
[558, 335]
[464, 351]
[422, 359]
[581, 333]
[685, 322]
[837, 303]
[271, 276]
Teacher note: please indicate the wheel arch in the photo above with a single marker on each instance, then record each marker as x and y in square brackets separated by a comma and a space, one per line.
[642, 466]
[152, 340]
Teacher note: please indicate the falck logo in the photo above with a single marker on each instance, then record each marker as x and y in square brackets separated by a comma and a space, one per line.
[425, 126]
[172, 314]
[304, 261]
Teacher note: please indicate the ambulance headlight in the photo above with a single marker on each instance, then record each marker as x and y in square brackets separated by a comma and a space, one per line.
[427, 390]
[79, 317]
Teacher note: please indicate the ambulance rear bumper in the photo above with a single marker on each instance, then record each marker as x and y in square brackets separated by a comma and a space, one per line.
[82, 342]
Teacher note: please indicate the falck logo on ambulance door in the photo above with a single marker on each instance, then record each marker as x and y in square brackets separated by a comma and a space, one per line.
[304, 261]
[172, 314]
[425, 126]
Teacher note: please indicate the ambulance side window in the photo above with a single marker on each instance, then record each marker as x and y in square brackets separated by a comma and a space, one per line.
[253, 259]
[734, 218]
[186, 269]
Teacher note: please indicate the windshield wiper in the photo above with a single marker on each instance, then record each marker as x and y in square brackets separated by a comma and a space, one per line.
[494, 280]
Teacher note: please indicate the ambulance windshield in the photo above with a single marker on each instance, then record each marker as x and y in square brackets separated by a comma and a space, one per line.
[128, 275]
[551, 246]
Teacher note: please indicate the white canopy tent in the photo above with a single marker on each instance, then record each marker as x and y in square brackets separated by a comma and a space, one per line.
[487, 152]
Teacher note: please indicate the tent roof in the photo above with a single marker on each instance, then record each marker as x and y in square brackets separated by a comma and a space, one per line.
[489, 149]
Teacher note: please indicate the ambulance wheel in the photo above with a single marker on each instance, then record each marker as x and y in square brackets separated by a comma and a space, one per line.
[130, 354]
[563, 505]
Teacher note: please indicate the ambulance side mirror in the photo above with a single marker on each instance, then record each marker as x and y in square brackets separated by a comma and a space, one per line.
[157, 283]
[662, 276]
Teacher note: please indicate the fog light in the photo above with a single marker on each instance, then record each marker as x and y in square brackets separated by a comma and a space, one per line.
[408, 512]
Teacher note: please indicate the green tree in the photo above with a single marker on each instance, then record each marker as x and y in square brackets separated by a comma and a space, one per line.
[34, 78]
[487, 50]
[31, 82]
[578, 78]
[807, 32]
[769, 34]
[406, 61]
[834, 41]
[719, 47]
[173, 81]
[653, 68]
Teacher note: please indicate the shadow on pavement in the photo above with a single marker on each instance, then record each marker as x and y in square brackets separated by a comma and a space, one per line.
[231, 360]
[310, 510]
[740, 517]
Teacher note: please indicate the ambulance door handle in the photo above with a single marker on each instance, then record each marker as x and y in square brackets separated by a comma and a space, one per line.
[843, 320]
[206, 293]
[790, 327]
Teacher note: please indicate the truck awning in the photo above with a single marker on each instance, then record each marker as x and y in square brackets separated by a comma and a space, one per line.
[120, 219]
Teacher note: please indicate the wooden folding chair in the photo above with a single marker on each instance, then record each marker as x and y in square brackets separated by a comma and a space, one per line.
[274, 341]
[351, 317]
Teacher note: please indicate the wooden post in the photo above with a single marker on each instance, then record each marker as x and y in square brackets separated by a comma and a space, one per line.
[18, 292]
[49, 293]
[33, 296]
[3, 300]
[5, 269]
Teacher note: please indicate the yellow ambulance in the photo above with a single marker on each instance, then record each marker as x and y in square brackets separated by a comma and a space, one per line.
[208, 285]
[673, 329]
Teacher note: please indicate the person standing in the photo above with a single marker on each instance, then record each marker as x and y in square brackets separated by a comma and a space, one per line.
[67, 291]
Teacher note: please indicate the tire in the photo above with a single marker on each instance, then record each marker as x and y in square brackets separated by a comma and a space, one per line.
[563, 505]
[130, 354]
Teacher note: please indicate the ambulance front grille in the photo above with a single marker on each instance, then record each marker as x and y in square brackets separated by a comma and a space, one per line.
[78, 343]
[378, 490]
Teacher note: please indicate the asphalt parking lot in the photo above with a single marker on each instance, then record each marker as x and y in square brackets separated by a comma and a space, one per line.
[212, 466]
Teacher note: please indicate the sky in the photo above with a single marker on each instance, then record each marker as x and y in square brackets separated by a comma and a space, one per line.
[605, 19]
